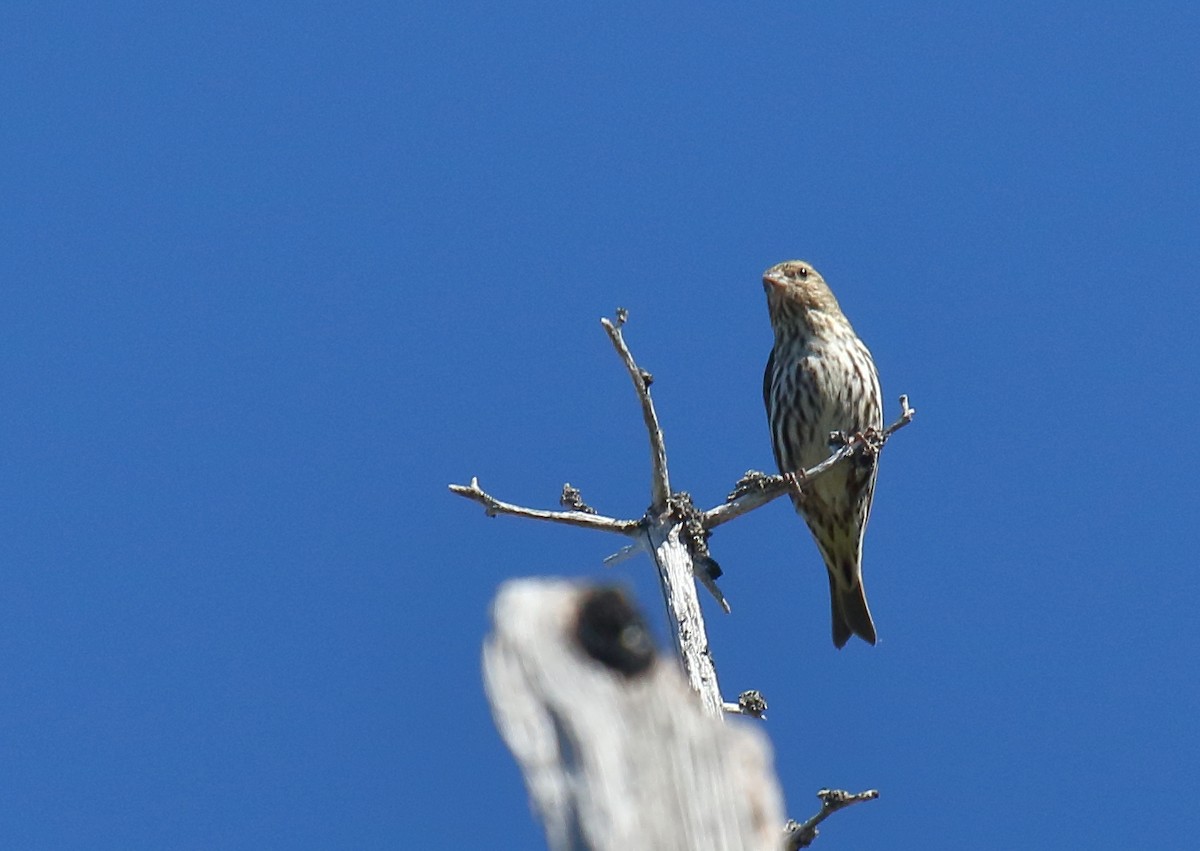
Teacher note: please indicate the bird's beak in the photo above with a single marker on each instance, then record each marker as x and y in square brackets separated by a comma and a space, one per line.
[773, 281]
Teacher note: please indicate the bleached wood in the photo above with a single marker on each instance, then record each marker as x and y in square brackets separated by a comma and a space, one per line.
[615, 762]
[660, 480]
[583, 519]
[832, 800]
[674, 564]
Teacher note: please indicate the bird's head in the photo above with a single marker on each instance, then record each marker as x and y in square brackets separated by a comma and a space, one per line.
[795, 289]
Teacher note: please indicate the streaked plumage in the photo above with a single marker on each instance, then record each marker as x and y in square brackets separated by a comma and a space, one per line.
[820, 379]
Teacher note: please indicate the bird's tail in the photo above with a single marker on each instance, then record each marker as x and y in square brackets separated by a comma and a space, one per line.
[850, 613]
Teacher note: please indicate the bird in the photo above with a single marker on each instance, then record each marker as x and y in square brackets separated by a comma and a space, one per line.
[821, 380]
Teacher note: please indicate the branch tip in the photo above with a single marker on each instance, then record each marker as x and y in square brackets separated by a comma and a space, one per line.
[576, 517]
[802, 835]
[620, 317]
[750, 703]
[660, 485]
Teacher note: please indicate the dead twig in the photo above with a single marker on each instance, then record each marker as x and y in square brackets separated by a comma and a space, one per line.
[802, 835]
[582, 519]
[660, 482]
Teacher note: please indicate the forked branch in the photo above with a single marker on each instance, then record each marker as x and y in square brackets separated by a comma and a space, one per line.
[669, 532]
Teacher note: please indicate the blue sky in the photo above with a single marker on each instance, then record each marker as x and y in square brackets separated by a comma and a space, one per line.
[273, 278]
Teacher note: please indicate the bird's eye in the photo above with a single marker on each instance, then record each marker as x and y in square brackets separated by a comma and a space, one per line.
[802, 273]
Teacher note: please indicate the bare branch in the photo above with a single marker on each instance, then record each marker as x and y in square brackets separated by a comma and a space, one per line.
[773, 487]
[582, 519]
[756, 489]
[832, 800]
[660, 483]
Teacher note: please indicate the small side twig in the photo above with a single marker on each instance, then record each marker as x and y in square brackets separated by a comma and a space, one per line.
[572, 500]
[660, 482]
[750, 703]
[802, 835]
[906, 417]
[494, 506]
[624, 554]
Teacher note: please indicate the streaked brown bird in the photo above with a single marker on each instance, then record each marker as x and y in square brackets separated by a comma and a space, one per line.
[821, 379]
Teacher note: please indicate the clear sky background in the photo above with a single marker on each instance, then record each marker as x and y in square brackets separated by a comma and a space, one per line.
[272, 276]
